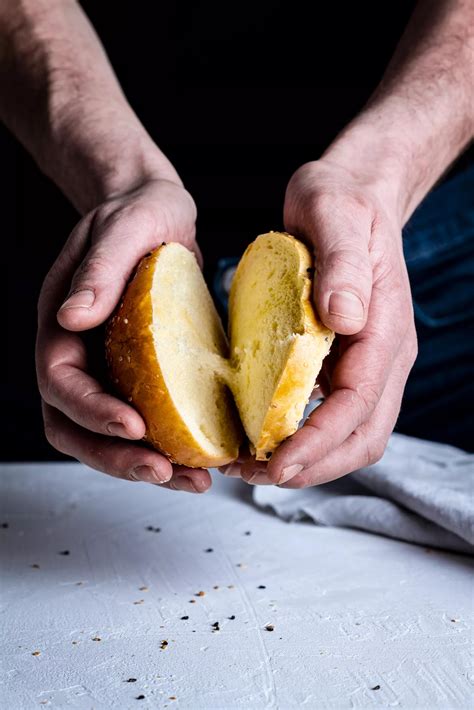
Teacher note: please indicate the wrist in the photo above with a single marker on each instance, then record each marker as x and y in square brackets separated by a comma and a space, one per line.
[380, 160]
[95, 150]
[400, 152]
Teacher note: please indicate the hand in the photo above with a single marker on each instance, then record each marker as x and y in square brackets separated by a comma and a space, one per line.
[91, 272]
[362, 292]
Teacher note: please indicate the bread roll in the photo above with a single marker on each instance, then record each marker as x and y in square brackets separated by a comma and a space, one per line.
[277, 342]
[169, 357]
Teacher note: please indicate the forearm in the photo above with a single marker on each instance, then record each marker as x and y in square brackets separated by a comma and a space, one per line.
[421, 116]
[61, 99]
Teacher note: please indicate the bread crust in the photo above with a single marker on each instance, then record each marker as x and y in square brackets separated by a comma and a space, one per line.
[138, 378]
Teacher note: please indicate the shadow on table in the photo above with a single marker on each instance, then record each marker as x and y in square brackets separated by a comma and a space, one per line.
[99, 535]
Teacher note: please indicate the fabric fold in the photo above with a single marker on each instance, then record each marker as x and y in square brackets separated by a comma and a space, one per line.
[420, 492]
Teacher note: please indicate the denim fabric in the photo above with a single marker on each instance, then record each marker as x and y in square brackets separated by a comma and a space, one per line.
[438, 243]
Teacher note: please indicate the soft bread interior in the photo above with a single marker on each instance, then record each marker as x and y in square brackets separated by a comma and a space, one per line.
[191, 348]
[169, 356]
[277, 344]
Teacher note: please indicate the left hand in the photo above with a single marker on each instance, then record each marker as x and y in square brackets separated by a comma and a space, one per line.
[362, 292]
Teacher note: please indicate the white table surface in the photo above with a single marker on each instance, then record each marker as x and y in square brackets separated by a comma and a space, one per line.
[359, 621]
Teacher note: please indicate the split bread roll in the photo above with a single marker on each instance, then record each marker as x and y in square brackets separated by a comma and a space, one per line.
[169, 357]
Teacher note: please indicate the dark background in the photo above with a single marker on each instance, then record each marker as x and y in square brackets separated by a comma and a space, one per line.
[238, 95]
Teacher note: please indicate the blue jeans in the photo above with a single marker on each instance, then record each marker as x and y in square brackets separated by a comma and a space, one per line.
[438, 242]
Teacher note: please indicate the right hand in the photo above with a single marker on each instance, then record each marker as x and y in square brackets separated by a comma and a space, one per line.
[88, 279]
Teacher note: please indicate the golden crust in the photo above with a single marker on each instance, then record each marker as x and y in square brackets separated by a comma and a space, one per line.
[137, 375]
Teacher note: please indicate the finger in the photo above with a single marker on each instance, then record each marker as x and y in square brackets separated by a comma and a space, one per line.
[357, 381]
[362, 448]
[366, 445]
[119, 243]
[112, 456]
[63, 383]
[58, 278]
[231, 470]
[343, 277]
[189, 480]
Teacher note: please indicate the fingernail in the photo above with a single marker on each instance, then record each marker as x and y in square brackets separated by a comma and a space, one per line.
[147, 474]
[232, 470]
[290, 472]
[250, 476]
[80, 299]
[346, 304]
[183, 483]
[117, 429]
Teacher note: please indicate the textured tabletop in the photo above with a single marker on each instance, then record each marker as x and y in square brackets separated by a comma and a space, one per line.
[128, 596]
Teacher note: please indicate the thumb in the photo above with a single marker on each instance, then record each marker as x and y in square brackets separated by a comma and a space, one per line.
[99, 281]
[342, 288]
[343, 275]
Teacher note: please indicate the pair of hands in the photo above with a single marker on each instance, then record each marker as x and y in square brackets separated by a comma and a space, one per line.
[361, 292]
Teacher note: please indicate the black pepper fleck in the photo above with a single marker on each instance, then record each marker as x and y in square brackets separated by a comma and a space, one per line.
[209, 549]
[130, 680]
[150, 528]
[376, 687]
[261, 586]
[248, 532]
[140, 697]
[231, 617]
[269, 627]
[216, 626]
[184, 618]
[64, 552]
[5, 525]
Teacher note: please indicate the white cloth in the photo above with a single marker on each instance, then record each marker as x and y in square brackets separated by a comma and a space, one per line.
[420, 491]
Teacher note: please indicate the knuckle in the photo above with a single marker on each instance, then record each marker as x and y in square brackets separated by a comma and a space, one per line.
[53, 437]
[346, 261]
[331, 201]
[318, 444]
[48, 385]
[303, 176]
[43, 385]
[139, 215]
[45, 375]
[125, 220]
[373, 447]
[368, 396]
[96, 267]
[376, 451]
